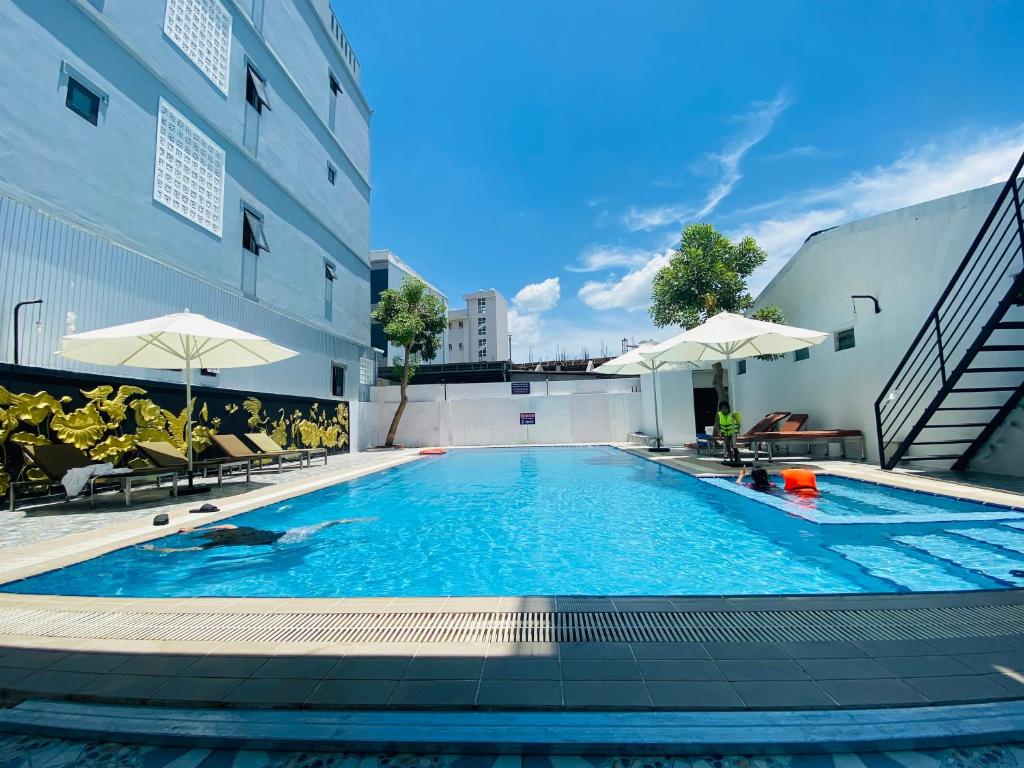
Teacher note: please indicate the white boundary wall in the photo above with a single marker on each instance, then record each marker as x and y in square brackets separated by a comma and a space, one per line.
[574, 411]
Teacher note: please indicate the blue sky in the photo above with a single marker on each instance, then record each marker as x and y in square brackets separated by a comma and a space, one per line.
[554, 149]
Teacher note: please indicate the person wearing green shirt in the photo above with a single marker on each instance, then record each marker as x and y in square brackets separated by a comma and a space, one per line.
[729, 422]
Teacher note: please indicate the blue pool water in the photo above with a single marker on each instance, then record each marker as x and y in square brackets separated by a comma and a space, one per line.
[573, 521]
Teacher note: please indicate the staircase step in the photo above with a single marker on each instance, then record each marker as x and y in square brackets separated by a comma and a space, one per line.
[942, 442]
[900, 568]
[941, 457]
[983, 389]
[951, 426]
[1002, 348]
[977, 559]
[999, 537]
[1010, 325]
[1007, 369]
[969, 408]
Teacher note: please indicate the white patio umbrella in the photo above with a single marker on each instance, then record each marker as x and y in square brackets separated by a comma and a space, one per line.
[181, 340]
[727, 336]
[633, 363]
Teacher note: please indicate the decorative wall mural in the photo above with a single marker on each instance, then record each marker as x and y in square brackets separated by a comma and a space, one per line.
[106, 423]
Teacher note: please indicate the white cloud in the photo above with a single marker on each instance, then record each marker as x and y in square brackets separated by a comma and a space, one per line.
[757, 123]
[631, 291]
[600, 257]
[803, 150]
[525, 327]
[932, 171]
[593, 202]
[538, 297]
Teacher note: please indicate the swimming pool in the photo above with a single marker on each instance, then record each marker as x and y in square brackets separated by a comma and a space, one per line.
[592, 520]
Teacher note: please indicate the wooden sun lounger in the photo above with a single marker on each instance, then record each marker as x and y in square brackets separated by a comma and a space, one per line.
[766, 423]
[234, 448]
[265, 442]
[165, 456]
[826, 436]
[55, 460]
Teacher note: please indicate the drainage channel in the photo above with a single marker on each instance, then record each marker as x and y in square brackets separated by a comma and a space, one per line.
[522, 627]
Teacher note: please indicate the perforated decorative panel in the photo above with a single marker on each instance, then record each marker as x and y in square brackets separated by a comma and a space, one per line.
[202, 29]
[189, 174]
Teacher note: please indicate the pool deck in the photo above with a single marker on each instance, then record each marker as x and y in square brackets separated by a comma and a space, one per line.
[553, 654]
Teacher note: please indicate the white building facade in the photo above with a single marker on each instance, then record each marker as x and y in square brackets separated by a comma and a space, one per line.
[479, 333]
[904, 259]
[387, 270]
[211, 155]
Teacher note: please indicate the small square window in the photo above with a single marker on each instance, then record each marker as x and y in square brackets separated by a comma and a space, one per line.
[741, 367]
[481, 331]
[338, 379]
[801, 354]
[256, 90]
[460, 345]
[82, 101]
[481, 342]
[332, 174]
[845, 339]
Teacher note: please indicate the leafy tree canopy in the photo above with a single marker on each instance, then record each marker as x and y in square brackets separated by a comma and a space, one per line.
[413, 318]
[706, 275]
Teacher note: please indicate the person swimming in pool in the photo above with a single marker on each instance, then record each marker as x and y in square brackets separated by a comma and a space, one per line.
[246, 536]
[759, 480]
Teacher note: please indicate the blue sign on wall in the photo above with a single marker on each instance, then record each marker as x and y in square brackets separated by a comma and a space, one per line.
[527, 419]
[520, 387]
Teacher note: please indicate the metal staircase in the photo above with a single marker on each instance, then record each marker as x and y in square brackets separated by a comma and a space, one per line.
[964, 371]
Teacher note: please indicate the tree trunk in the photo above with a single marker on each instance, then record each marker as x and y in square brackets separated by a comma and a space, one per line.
[401, 403]
[718, 382]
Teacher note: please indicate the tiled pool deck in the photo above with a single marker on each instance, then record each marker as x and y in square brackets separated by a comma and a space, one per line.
[826, 653]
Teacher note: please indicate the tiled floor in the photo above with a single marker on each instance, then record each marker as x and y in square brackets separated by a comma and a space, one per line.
[583, 676]
[40, 752]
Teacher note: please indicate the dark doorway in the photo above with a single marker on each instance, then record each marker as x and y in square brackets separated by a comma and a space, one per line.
[705, 402]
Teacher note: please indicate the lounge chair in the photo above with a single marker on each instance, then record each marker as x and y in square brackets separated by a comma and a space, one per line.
[265, 442]
[54, 461]
[234, 448]
[768, 422]
[165, 456]
[792, 432]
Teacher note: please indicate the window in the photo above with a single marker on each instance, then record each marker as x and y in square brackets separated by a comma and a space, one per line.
[377, 337]
[366, 377]
[741, 367]
[482, 354]
[801, 354]
[460, 345]
[338, 379]
[249, 263]
[845, 339]
[82, 101]
[460, 323]
[481, 331]
[449, 347]
[481, 342]
[256, 90]
[330, 275]
[189, 170]
[331, 173]
[378, 283]
[481, 304]
[333, 83]
[253, 238]
[481, 320]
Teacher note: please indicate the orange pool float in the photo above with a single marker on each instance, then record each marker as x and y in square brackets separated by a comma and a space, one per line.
[800, 481]
[432, 452]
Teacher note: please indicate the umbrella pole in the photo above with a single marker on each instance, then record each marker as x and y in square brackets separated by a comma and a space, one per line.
[188, 427]
[657, 424]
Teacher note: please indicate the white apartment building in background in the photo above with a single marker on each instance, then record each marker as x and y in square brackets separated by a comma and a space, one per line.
[388, 271]
[479, 333]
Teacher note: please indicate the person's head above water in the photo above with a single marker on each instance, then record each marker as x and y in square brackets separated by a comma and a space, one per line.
[759, 478]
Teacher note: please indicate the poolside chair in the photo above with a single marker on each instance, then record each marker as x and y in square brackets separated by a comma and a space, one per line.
[265, 442]
[234, 448]
[54, 461]
[792, 431]
[166, 456]
[768, 422]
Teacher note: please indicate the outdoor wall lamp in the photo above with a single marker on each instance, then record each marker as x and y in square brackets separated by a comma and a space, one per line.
[17, 333]
[856, 296]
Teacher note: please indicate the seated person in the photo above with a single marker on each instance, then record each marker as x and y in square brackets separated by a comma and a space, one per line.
[759, 479]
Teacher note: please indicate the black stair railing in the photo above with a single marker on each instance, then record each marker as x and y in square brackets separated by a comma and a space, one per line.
[987, 281]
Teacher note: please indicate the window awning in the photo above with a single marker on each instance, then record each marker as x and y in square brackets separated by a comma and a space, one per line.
[335, 85]
[259, 86]
[329, 271]
[255, 224]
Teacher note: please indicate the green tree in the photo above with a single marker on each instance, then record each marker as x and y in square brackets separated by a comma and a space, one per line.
[413, 318]
[706, 275]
